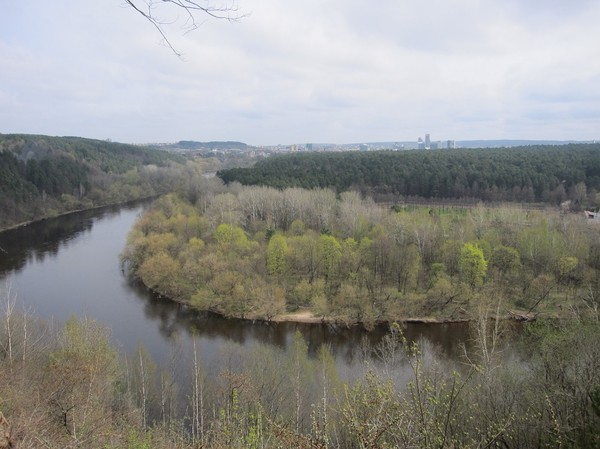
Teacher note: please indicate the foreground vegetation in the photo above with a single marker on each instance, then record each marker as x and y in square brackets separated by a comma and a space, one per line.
[549, 174]
[257, 252]
[43, 176]
[69, 388]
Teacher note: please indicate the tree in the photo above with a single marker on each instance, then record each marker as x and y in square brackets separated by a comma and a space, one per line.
[225, 208]
[277, 255]
[270, 301]
[83, 370]
[330, 253]
[299, 371]
[161, 272]
[231, 238]
[472, 264]
[506, 259]
[150, 10]
[371, 410]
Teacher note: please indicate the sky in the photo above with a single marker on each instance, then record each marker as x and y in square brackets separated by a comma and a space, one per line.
[311, 71]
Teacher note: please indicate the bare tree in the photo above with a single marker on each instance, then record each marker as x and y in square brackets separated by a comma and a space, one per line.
[192, 11]
[9, 300]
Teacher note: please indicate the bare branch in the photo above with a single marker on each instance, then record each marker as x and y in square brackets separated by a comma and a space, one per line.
[192, 9]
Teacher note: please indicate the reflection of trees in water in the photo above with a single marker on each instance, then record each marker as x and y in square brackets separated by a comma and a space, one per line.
[41, 239]
[343, 341]
[174, 318]
[45, 238]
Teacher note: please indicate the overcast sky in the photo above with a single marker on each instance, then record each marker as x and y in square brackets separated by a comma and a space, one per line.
[336, 71]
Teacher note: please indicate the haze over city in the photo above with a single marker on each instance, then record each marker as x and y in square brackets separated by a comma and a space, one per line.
[304, 71]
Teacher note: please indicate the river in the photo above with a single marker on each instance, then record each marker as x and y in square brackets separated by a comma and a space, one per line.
[69, 265]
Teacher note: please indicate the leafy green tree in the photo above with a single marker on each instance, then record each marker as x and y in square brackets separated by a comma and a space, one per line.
[566, 266]
[231, 238]
[505, 259]
[472, 265]
[161, 272]
[330, 253]
[303, 255]
[277, 251]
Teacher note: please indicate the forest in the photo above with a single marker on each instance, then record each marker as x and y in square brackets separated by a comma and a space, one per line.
[258, 252]
[42, 176]
[543, 173]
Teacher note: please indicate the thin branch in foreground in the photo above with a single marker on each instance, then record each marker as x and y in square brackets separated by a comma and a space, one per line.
[192, 9]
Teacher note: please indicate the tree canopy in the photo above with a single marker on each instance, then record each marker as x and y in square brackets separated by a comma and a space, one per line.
[249, 251]
[526, 174]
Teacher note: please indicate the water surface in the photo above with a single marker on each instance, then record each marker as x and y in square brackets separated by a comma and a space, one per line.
[70, 265]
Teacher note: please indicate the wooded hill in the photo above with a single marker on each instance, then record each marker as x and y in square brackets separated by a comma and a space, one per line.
[526, 174]
[41, 176]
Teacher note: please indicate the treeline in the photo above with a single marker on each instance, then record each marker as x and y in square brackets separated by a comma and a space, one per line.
[41, 176]
[550, 174]
[259, 252]
[69, 387]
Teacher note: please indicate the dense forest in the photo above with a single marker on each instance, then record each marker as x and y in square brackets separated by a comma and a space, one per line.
[41, 176]
[549, 174]
[258, 252]
[70, 388]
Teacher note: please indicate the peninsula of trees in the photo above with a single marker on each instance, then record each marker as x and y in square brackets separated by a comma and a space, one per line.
[549, 174]
[260, 252]
[42, 176]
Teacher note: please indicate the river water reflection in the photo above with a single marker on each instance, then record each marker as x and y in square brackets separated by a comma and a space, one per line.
[70, 265]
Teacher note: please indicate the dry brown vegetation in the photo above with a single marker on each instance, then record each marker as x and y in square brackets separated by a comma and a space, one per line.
[68, 388]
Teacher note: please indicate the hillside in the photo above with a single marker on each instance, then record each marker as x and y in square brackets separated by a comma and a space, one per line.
[41, 176]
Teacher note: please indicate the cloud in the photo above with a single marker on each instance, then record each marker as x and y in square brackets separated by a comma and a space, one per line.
[334, 71]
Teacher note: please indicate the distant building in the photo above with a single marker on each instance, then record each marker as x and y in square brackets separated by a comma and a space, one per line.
[294, 147]
[363, 147]
[451, 144]
[420, 144]
[309, 147]
[427, 141]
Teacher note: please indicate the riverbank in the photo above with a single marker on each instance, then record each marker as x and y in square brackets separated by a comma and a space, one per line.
[75, 211]
[308, 317]
[305, 316]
